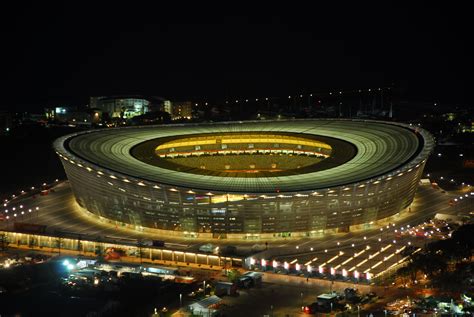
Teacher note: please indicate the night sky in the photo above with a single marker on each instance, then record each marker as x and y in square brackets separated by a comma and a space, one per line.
[63, 54]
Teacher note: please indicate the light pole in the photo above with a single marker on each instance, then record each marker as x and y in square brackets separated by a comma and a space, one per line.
[358, 310]
[139, 247]
[271, 310]
[180, 300]
[204, 287]
[59, 245]
[301, 299]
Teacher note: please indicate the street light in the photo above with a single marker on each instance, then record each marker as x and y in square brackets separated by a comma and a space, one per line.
[180, 300]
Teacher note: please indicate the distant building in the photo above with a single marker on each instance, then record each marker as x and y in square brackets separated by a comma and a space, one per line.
[168, 107]
[466, 127]
[205, 307]
[450, 116]
[23, 118]
[59, 113]
[120, 107]
[225, 288]
[181, 110]
[126, 107]
[73, 115]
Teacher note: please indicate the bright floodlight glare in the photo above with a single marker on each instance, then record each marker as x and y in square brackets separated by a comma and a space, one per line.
[66, 262]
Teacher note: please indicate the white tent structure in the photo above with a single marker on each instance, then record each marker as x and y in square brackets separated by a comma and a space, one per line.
[205, 307]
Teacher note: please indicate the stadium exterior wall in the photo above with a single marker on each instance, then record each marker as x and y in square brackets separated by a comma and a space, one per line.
[180, 211]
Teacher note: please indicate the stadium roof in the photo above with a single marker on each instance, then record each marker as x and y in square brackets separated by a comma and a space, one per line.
[383, 149]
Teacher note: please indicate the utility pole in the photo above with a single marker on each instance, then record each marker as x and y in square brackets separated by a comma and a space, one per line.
[79, 243]
[139, 246]
[59, 245]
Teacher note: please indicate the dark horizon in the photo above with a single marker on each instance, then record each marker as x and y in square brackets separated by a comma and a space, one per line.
[64, 54]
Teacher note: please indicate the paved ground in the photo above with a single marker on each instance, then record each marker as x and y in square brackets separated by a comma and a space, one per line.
[59, 212]
[281, 296]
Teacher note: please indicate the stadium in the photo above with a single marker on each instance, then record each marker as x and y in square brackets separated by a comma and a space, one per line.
[247, 179]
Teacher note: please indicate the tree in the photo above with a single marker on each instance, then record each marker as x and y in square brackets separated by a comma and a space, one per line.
[433, 264]
[233, 275]
[451, 281]
[464, 237]
[455, 249]
[404, 273]
[415, 264]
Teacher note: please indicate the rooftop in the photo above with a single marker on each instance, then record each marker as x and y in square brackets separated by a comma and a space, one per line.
[383, 149]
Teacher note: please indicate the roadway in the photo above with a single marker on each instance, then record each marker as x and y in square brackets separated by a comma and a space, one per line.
[59, 211]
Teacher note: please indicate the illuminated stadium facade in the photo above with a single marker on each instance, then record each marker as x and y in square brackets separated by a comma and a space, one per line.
[240, 179]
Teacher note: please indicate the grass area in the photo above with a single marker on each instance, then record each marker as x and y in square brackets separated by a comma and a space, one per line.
[244, 162]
